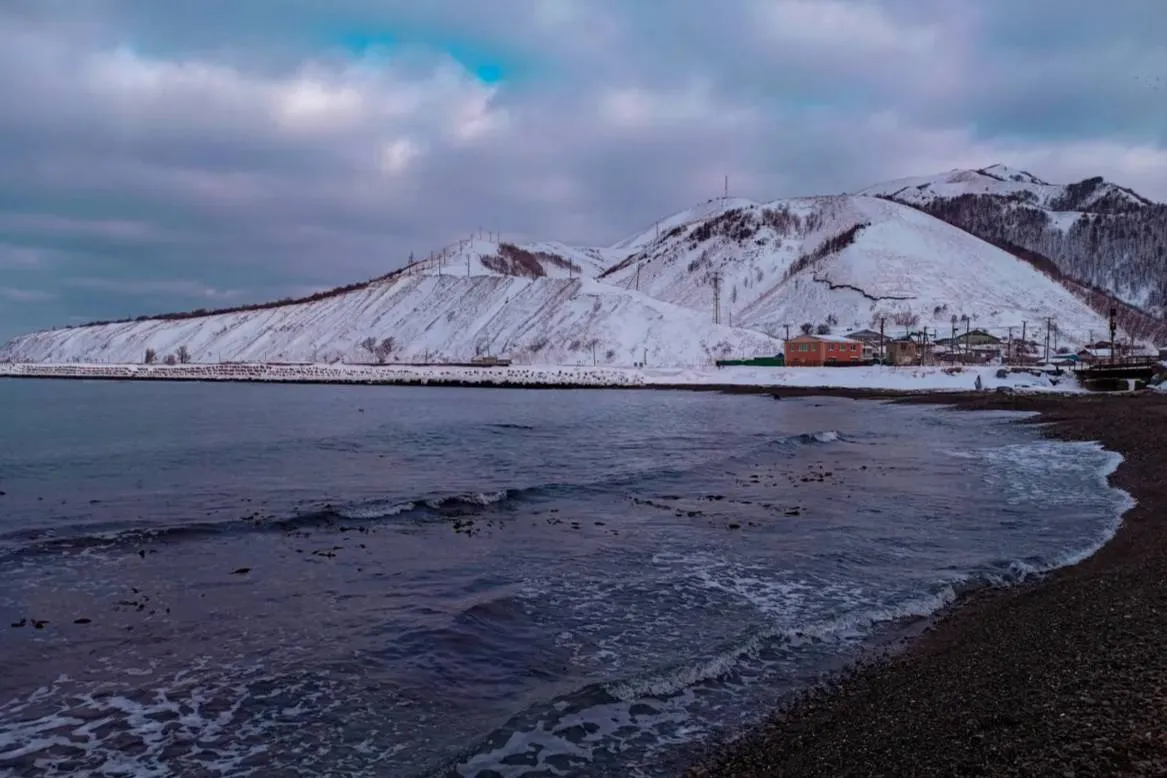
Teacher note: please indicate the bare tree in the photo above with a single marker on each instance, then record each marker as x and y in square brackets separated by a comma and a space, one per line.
[151, 356]
[383, 349]
[807, 328]
[823, 329]
[183, 355]
[171, 360]
[369, 344]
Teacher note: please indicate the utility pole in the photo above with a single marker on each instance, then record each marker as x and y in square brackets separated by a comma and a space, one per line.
[1009, 348]
[952, 345]
[717, 297]
[638, 277]
[1113, 328]
[1049, 321]
[882, 341]
[727, 186]
[968, 340]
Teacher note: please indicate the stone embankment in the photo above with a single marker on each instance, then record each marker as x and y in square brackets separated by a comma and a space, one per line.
[336, 374]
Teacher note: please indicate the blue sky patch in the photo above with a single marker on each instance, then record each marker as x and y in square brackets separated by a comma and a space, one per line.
[487, 66]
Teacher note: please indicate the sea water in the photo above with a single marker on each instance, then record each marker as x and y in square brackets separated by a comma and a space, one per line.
[234, 580]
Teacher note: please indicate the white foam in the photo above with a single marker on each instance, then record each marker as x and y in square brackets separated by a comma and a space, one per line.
[211, 719]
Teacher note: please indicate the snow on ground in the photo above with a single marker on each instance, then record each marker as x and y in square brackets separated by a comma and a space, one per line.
[706, 210]
[903, 265]
[905, 379]
[918, 266]
[493, 257]
[994, 180]
[430, 319]
[955, 183]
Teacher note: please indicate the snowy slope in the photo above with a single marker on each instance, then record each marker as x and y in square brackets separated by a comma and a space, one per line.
[1096, 233]
[482, 257]
[1068, 201]
[847, 261]
[532, 321]
[776, 267]
[706, 210]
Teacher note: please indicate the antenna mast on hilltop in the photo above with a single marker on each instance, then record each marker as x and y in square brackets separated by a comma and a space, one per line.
[727, 186]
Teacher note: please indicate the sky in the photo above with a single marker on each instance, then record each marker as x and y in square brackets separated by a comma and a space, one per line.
[159, 156]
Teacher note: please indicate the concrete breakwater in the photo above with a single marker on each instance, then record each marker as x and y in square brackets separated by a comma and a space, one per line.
[336, 373]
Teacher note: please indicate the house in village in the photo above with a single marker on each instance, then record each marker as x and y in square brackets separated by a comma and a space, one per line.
[972, 346]
[874, 344]
[820, 350]
[907, 350]
[1095, 354]
[977, 338]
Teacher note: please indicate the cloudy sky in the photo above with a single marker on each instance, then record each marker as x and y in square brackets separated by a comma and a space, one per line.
[165, 154]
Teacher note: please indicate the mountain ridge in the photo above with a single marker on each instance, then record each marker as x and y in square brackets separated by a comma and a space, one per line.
[1100, 236]
[727, 277]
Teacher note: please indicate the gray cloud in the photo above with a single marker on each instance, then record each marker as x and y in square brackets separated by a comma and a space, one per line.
[163, 156]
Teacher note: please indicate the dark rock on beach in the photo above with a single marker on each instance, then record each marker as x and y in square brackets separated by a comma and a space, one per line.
[1063, 676]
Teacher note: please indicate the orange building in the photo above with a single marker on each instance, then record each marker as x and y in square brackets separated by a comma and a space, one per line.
[819, 350]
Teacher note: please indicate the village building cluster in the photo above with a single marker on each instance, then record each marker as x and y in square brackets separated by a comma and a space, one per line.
[866, 347]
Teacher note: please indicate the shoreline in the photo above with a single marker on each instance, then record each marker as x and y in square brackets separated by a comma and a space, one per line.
[1062, 675]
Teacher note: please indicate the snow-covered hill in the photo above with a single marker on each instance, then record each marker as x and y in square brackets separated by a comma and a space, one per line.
[546, 259]
[429, 317]
[988, 246]
[706, 210]
[1091, 196]
[1095, 232]
[848, 261]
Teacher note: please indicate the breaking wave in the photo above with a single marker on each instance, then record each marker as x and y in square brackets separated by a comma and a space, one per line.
[812, 438]
[328, 516]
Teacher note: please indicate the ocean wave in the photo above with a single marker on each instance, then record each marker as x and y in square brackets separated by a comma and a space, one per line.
[84, 538]
[379, 509]
[812, 438]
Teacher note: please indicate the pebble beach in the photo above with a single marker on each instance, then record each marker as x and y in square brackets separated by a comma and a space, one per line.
[1063, 676]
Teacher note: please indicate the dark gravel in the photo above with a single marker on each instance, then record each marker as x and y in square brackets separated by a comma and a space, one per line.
[1062, 677]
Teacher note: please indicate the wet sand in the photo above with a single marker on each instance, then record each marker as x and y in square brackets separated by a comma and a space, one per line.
[1065, 676]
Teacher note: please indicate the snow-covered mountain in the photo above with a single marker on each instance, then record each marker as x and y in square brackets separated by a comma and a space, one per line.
[429, 317]
[546, 259]
[992, 247]
[1094, 195]
[1098, 234]
[709, 209]
[848, 262]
